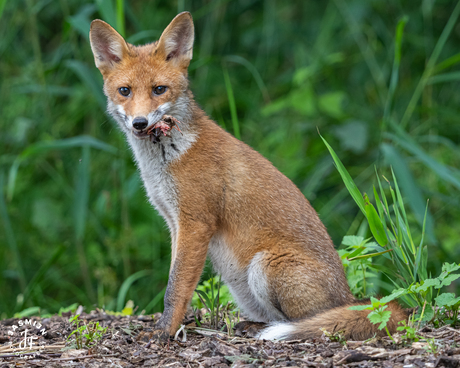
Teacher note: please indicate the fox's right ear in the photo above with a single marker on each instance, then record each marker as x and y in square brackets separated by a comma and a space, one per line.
[107, 44]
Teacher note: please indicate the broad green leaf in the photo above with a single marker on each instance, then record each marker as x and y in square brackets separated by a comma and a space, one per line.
[446, 267]
[448, 280]
[394, 295]
[375, 302]
[427, 284]
[447, 300]
[381, 317]
[352, 240]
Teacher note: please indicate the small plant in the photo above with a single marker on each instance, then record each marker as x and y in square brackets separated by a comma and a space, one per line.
[432, 346]
[210, 295]
[357, 263]
[379, 314]
[231, 318]
[85, 335]
[334, 337]
[408, 331]
[407, 261]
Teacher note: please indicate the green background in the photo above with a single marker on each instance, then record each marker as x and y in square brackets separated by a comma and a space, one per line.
[74, 219]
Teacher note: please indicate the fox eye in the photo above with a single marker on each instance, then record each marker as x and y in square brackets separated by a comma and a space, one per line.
[124, 91]
[159, 90]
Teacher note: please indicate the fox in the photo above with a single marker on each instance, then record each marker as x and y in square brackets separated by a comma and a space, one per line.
[223, 200]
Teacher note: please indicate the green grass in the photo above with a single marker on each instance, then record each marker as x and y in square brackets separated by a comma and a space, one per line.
[379, 79]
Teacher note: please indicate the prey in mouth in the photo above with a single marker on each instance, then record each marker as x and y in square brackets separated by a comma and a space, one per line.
[161, 127]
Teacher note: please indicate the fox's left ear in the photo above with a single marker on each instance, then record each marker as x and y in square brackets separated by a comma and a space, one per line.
[108, 46]
[176, 41]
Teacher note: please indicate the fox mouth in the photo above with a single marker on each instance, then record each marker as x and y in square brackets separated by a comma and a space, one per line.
[142, 134]
[162, 127]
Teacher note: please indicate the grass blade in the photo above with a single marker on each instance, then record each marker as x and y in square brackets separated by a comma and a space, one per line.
[348, 181]
[127, 284]
[231, 102]
[2, 7]
[11, 239]
[430, 65]
[410, 188]
[253, 70]
[405, 141]
[370, 255]
[395, 70]
[157, 299]
[121, 17]
[375, 224]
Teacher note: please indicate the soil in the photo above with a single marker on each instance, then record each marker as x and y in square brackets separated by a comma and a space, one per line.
[201, 347]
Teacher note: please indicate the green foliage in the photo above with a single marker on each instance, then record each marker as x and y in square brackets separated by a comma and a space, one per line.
[358, 262]
[212, 295]
[231, 317]
[432, 346]
[390, 227]
[85, 335]
[378, 314]
[408, 331]
[71, 308]
[379, 80]
[444, 310]
[336, 336]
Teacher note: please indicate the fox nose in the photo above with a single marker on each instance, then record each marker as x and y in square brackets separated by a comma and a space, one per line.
[140, 123]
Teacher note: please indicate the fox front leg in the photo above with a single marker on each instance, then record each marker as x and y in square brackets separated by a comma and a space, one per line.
[187, 266]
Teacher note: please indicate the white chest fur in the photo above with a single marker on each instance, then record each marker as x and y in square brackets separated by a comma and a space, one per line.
[153, 160]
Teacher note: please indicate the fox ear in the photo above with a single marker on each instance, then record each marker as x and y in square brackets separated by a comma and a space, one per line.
[176, 41]
[107, 44]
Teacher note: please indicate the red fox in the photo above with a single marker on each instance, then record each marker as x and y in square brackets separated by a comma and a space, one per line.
[222, 199]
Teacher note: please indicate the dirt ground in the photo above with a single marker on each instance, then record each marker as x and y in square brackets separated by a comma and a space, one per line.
[118, 347]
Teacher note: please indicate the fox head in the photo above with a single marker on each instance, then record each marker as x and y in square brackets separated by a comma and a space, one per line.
[143, 83]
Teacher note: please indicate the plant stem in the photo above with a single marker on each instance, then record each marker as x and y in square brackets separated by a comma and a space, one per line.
[388, 333]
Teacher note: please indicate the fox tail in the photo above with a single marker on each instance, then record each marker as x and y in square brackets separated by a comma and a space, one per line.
[352, 324]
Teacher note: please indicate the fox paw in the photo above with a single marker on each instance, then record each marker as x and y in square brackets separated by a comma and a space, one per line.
[157, 336]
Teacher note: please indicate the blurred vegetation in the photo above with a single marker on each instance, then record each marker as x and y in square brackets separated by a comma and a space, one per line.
[75, 225]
